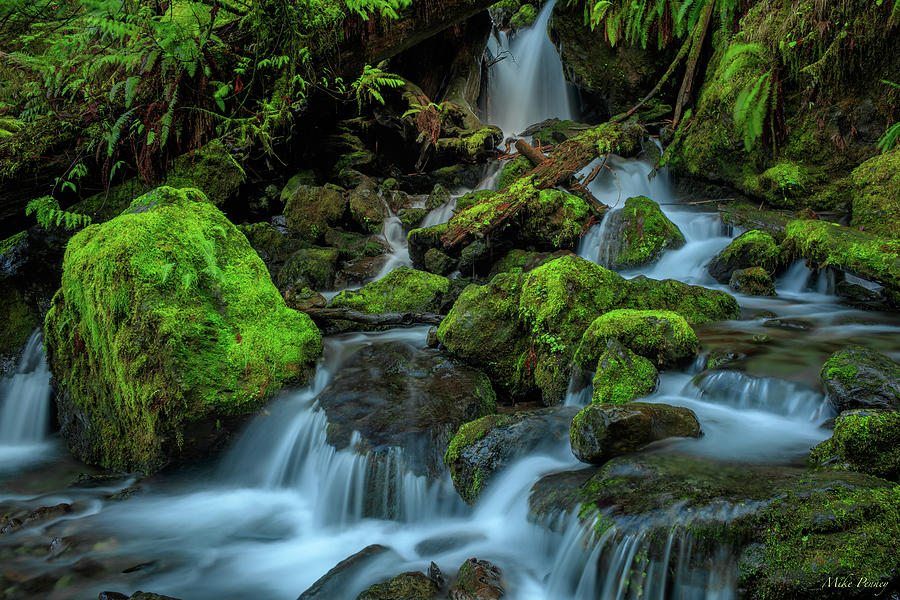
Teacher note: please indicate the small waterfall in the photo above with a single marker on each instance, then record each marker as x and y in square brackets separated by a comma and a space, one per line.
[599, 243]
[528, 85]
[395, 235]
[25, 398]
[796, 279]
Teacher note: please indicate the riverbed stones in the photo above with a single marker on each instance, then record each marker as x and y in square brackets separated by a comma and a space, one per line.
[753, 248]
[483, 447]
[859, 377]
[603, 431]
[334, 583]
[478, 580]
[166, 332]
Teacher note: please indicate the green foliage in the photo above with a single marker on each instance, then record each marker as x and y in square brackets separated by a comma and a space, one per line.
[49, 214]
[890, 137]
[756, 101]
[368, 85]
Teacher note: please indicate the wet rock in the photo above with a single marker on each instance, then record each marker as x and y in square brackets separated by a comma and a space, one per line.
[149, 596]
[859, 295]
[754, 281]
[477, 580]
[858, 377]
[525, 260]
[411, 217]
[112, 596]
[621, 375]
[447, 542]
[359, 271]
[401, 290]
[335, 582]
[721, 358]
[783, 323]
[695, 303]
[438, 262]
[864, 440]
[475, 259]
[481, 448]
[663, 337]
[641, 233]
[401, 397]
[303, 298]
[603, 431]
[312, 267]
[9, 524]
[272, 245]
[438, 197]
[311, 211]
[413, 585]
[552, 132]
[750, 249]
[435, 575]
[366, 208]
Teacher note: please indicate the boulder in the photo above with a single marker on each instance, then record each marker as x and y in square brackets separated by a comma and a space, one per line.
[167, 331]
[640, 234]
[663, 337]
[478, 580]
[411, 217]
[876, 195]
[366, 208]
[413, 585]
[621, 375]
[859, 377]
[397, 396]
[867, 441]
[695, 303]
[525, 260]
[311, 211]
[481, 448]
[334, 583]
[750, 249]
[401, 290]
[438, 197]
[311, 267]
[437, 262]
[272, 244]
[603, 431]
[753, 281]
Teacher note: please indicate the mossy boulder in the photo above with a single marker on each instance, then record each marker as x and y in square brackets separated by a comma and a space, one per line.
[438, 197]
[166, 330]
[621, 376]
[750, 249]
[210, 168]
[876, 195]
[663, 337]
[867, 441]
[603, 431]
[310, 267]
[413, 585]
[366, 208]
[859, 377]
[525, 260]
[411, 217]
[311, 211]
[307, 178]
[483, 447]
[641, 233]
[754, 281]
[696, 304]
[19, 319]
[272, 244]
[524, 17]
[438, 262]
[401, 290]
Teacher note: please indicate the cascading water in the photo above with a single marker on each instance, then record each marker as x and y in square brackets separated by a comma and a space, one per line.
[528, 85]
[25, 408]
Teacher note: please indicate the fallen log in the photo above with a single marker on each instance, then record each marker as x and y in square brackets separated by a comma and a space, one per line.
[534, 155]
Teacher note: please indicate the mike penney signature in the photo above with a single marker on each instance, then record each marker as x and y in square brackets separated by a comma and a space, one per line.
[855, 582]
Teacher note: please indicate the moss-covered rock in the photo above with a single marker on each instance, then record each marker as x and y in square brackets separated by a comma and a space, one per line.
[438, 197]
[642, 234]
[19, 319]
[307, 178]
[603, 431]
[413, 585]
[310, 267]
[867, 441]
[512, 170]
[876, 195]
[401, 290]
[478, 580]
[411, 217]
[482, 448]
[621, 375]
[525, 260]
[471, 198]
[859, 377]
[366, 208]
[750, 249]
[754, 281]
[696, 304]
[311, 211]
[663, 337]
[524, 17]
[167, 329]
[210, 168]
[438, 262]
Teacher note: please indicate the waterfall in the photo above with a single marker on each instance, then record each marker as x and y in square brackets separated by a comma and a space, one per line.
[528, 85]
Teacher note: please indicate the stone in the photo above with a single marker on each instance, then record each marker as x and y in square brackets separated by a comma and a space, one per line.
[753, 281]
[859, 377]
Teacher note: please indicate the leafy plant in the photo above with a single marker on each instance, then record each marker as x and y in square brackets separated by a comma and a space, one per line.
[758, 98]
[430, 117]
[49, 214]
[368, 85]
[890, 137]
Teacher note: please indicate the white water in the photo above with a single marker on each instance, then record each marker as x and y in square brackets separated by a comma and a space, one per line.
[528, 86]
[25, 409]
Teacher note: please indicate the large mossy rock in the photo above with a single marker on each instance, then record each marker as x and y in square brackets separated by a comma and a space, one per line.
[311, 211]
[621, 376]
[482, 447]
[397, 396]
[867, 441]
[401, 290]
[876, 195]
[750, 249]
[523, 329]
[662, 336]
[603, 431]
[166, 330]
[859, 377]
[754, 281]
[641, 233]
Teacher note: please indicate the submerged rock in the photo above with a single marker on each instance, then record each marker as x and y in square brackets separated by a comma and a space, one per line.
[750, 249]
[413, 585]
[401, 290]
[641, 234]
[859, 377]
[603, 431]
[166, 331]
[481, 448]
[754, 281]
[397, 396]
[478, 580]
[867, 441]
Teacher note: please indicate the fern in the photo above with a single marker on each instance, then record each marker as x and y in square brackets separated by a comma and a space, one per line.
[756, 99]
[370, 82]
[49, 214]
[890, 137]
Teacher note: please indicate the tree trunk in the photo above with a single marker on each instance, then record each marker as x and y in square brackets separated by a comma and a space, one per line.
[698, 36]
[530, 152]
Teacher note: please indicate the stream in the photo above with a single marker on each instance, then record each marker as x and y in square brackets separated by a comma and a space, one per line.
[281, 507]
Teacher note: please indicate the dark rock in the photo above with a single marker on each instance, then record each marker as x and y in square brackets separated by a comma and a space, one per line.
[483, 447]
[438, 262]
[311, 211]
[782, 323]
[753, 281]
[334, 583]
[857, 294]
[447, 542]
[366, 208]
[525, 260]
[858, 377]
[149, 596]
[112, 596]
[312, 267]
[413, 585]
[603, 431]
[399, 396]
[303, 298]
[434, 574]
[439, 196]
[477, 580]
[359, 271]
[867, 441]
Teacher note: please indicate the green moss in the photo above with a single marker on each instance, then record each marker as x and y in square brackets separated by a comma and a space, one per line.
[7, 244]
[471, 198]
[19, 320]
[313, 267]
[621, 376]
[696, 304]
[210, 168]
[512, 170]
[366, 209]
[646, 233]
[303, 178]
[779, 183]
[406, 586]
[754, 281]
[411, 217]
[876, 195]
[312, 211]
[401, 290]
[438, 262]
[468, 434]
[166, 322]
[753, 248]
[524, 17]
[863, 441]
[663, 337]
